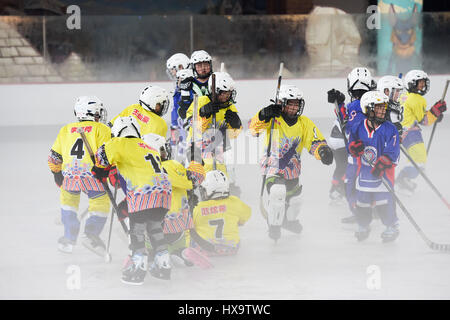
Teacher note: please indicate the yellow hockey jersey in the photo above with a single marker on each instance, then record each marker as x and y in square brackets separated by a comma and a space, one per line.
[218, 221]
[180, 184]
[69, 154]
[148, 185]
[287, 144]
[149, 121]
[204, 124]
[414, 110]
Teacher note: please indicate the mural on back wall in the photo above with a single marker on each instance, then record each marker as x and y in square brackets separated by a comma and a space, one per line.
[400, 36]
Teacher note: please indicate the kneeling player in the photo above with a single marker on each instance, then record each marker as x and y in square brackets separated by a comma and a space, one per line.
[375, 144]
[218, 216]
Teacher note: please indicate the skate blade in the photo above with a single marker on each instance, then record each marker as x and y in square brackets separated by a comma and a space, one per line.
[132, 283]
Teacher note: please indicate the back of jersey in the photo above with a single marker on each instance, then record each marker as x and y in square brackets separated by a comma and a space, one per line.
[76, 159]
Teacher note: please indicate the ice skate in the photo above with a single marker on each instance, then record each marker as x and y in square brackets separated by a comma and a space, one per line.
[391, 233]
[293, 226]
[179, 259]
[135, 270]
[161, 267]
[274, 232]
[362, 233]
[65, 245]
[94, 243]
[350, 219]
[406, 186]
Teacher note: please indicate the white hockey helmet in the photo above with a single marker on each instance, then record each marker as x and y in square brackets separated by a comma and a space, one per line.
[395, 88]
[215, 185]
[411, 79]
[153, 95]
[154, 141]
[184, 74]
[368, 102]
[359, 79]
[200, 56]
[125, 127]
[224, 82]
[176, 62]
[89, 108]
[291, 92]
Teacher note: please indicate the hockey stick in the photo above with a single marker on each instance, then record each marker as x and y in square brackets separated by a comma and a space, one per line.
[194, 126]
[431, 244]
[424, 176]
[436, 122]
[213, 97]
[105, 185]
[108, 245]
[269, 147]
[336, 110]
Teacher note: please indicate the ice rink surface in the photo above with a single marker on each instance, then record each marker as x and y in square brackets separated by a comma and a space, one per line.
[324, 262]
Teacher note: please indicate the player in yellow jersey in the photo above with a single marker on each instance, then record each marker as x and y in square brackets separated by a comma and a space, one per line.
[153, 104]
[70, 163]
[148, 192]
[228, 124]
[178, 219]
[417, 84]
[218, 216]
[292, 132]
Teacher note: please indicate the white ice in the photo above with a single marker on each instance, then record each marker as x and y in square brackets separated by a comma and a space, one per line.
[324, 262]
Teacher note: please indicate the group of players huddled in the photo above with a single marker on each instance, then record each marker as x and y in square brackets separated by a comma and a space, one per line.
[181, 203]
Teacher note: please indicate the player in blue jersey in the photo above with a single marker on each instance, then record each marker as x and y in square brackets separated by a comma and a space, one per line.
[374, 144]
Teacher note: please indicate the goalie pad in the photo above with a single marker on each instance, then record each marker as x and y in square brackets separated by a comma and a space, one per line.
[276, 205]
[294, 204]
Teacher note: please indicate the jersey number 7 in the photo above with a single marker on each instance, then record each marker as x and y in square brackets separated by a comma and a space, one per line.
[218, 223]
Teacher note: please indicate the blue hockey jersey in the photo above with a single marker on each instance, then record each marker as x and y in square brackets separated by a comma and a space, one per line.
[383, 140]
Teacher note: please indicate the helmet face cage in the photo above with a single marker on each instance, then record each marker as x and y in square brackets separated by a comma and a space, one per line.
[176, 62]
[103, 115]
[370, 112]
[412, 86]
[201, 56]
[301, 105]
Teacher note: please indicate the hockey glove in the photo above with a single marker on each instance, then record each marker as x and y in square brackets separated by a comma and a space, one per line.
[186, 84]
[196, 173]
[184, 106]
[100, 173]
[326, 155]
[114, 177]
[209, 109]
[381, 165]
[233, 119]
[192, 199]
[356, 148]
[438, 108]
[123, 210]
[59, 178]
[335, 96]
[269, 112]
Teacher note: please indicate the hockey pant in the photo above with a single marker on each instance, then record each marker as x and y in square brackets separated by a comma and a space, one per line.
[284, 199]
[382, 202]
[99, 206]
[414, 145]
[147, 222]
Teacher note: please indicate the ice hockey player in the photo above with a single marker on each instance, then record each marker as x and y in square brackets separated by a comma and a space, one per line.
[228, 122]
[70, 164]
[153, 104]
[217, 217]
[359, 81]
[148, 194]
[178, 220]
[374, 142]
[417, 85]
[201, 64]
[178, 69]
[393, 87]
[292, 132]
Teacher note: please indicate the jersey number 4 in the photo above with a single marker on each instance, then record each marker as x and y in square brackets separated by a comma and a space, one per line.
[218, 223]
[77, 149]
